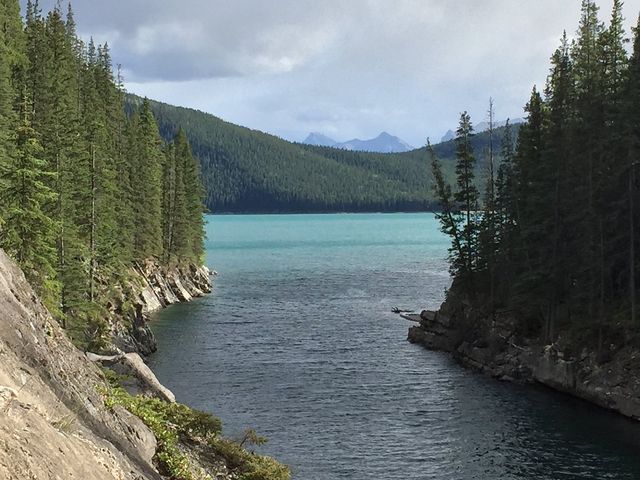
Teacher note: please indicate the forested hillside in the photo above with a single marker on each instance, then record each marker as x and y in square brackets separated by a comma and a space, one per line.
[556, 243]
[249, 171]
[85, 192]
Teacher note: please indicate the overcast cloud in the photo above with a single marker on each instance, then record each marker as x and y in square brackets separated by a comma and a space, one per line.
[345, 68]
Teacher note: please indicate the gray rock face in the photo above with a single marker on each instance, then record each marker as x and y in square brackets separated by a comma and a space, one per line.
[53, 421]
[156, 288]
[490, 346]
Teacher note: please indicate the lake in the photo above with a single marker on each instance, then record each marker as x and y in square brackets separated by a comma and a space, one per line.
[298, 342]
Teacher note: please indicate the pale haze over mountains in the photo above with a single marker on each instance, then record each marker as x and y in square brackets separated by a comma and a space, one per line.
[387, 143]
[481, 127]
[383, 143]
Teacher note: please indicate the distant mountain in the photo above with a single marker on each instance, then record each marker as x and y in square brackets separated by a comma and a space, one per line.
[319, 140]
[482, 127]
[450, 135]
[383, 143]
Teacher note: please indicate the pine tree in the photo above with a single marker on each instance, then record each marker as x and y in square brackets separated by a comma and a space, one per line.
[29, 235]
[488, 229]
[586, 149]
[554, 167]
[631, 126]
[11, 60]
[448, 216]
[467, 195]
[194, 195]
[506, 225]
[532, 219]
[81, 187]
[148, 205]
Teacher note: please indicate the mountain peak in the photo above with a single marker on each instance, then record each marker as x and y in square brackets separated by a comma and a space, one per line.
[450, 135]
[383, 143]
[316, 138]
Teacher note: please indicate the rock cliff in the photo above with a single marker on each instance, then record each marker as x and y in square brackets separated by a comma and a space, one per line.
[493, 346]
[63, 417]
[53, 421]
[152, 287]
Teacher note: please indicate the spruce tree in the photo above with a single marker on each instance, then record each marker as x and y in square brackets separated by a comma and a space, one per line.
[194, 198]
[11, 61]
[448, 216]
[148, 184]
[467, 194]
[631, 126]
[29, 234]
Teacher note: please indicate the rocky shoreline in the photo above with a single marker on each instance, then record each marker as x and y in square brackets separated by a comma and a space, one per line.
[63, 416]
[151, 288]
[491, 346]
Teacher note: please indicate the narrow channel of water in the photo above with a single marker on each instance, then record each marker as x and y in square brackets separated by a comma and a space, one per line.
[298, 342]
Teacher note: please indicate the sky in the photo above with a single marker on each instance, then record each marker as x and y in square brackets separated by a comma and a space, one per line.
[344, 68]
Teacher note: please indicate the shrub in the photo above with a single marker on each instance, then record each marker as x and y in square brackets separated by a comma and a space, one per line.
[169, 422]
[172, 422]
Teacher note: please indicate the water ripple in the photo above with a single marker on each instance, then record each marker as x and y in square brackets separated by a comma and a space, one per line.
[297, 341]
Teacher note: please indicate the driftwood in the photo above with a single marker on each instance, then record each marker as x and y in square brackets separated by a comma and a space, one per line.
[94, 357]
[400, 310]
[139, 377]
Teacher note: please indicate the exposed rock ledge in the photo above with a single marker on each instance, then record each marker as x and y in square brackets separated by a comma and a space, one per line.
[53, 421]
[492, 347]
[58, 419]
[153, 287]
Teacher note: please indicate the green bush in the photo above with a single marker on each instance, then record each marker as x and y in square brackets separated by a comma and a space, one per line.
[169, 422]
[249, 465]
[173, 422]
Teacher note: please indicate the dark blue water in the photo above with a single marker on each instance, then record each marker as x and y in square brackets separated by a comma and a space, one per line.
[298, 342]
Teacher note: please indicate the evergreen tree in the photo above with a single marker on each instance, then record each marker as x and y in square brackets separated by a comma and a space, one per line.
[631, 129]
[467, 194]
[506, 213]
[448, 216]
[81, 187]
[147, 156]
[11, 59]
[488, 229]
[29, 234]
[194, 198]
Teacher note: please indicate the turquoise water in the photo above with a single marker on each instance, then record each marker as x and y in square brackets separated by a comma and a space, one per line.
[298, 342]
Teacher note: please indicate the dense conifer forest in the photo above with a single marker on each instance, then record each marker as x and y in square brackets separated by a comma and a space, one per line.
[85, 190]
[554, 237]
[250, 171]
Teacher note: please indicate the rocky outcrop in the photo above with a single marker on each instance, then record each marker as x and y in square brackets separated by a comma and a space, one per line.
[53, 421]
[492, 346]
[61, 419]
[152, 287]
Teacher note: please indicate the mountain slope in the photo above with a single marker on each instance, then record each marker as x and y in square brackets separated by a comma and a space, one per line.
[247, 170]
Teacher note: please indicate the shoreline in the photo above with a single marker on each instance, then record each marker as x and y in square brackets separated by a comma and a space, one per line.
[493, 350]
[152, 288]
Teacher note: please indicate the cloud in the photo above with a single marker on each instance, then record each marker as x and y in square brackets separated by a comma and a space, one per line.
[345, 68]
